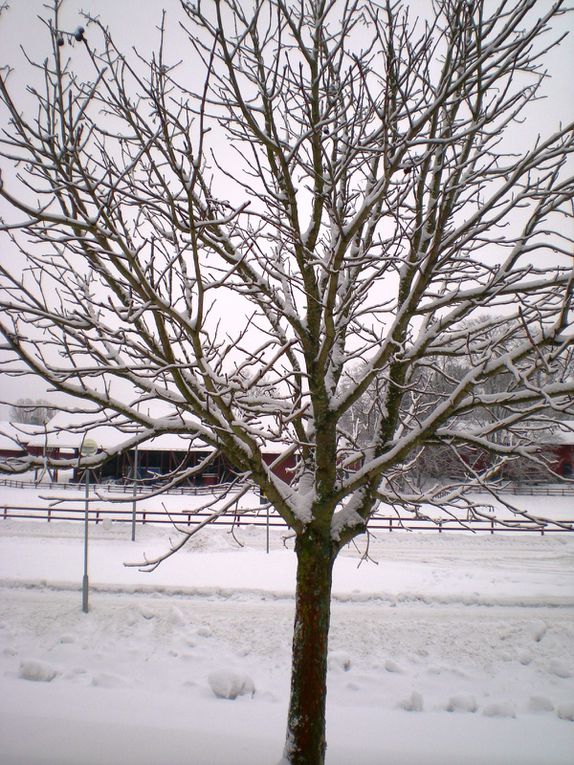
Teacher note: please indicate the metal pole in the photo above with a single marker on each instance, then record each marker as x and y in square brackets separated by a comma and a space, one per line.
[135, 476]
[267, 528]
[85, 581]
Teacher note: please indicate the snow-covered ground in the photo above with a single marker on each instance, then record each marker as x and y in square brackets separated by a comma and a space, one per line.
[445, 649]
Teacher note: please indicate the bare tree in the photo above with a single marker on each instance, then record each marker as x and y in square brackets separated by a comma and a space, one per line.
[32, 411]
[500, 335]
[340, 185]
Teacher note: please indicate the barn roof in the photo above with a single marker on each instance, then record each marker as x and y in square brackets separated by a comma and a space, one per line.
[68, 430]
[16, 436]
[563, 433]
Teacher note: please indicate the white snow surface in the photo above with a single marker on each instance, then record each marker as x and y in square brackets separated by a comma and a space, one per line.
[445, 648]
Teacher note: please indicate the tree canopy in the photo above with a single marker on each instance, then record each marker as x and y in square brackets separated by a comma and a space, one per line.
[214, 247]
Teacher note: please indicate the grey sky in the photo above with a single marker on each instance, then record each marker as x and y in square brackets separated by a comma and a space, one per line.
[134, 22]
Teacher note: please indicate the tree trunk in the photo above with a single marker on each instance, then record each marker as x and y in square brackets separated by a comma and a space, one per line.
[306, 741]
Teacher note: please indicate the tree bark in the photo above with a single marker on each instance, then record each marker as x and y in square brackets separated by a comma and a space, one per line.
[306, 742]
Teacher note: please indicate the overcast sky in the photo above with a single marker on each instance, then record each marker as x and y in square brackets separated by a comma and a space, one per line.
[134, 22]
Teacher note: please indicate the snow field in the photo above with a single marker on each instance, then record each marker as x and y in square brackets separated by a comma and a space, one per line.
[453, 648]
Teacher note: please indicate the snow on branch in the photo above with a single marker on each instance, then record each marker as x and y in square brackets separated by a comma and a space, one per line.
[326, 249]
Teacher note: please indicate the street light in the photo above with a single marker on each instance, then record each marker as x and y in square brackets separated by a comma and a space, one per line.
[134, 493]
[87, 449]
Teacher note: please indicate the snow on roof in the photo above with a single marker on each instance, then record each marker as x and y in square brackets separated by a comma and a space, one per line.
[172, 442]
[68, 430]
[563, 433]
[16, 436]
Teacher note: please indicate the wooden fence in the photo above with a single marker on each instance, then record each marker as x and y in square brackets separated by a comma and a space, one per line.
[127, 487]
[188, 519]
[115, 487]
[541, 490]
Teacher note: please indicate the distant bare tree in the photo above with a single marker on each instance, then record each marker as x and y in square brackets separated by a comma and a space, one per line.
[32, 411]
[339, 185]
[440, 376]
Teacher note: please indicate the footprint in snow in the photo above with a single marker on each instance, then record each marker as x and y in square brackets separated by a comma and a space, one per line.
[499, 709]
[566, 711]
[340, 662]
[537, 630]
[108, 680]
[226, 684]
[540, 704]
[176, 617]
[414, 703]
[462, 703]
[559, 668]
[37, 671]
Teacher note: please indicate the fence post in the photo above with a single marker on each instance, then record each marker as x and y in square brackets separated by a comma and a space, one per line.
[492, 525]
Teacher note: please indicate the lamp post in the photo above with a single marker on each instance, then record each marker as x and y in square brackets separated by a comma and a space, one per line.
[134, 493]
[88, 448]
[263, 501]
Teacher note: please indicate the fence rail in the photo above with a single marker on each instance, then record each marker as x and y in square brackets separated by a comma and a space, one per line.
[127, 487]
[552, 490]
[189, 519]
[115, 487]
